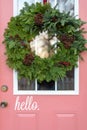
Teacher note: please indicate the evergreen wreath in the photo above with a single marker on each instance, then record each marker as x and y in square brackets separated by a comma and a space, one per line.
[42, 43]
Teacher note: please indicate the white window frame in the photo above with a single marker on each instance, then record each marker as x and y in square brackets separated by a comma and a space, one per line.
[46, 92]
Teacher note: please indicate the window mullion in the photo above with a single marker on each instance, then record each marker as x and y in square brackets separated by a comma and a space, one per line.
[36, 85]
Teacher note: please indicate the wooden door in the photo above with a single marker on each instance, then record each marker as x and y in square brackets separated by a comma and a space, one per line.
[40, 111]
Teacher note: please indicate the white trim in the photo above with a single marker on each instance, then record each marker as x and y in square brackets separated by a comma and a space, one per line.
[15, 7]
[76, 8]
[76, 80]
[15, 82]
[51, 92]
[45, 92]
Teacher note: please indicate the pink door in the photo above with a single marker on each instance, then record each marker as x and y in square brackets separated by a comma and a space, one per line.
[42, 111]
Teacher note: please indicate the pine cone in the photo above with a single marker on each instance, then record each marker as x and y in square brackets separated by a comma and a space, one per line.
[38, 19]
[54, 19]
[64, 63]
[28, 59]
[67, 40]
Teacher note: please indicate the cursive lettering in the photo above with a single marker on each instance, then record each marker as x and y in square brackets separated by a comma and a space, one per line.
[28, 104]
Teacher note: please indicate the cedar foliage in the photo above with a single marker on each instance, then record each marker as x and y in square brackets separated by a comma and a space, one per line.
[24, 27]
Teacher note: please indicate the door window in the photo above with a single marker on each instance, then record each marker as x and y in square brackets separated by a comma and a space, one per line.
[68, 85]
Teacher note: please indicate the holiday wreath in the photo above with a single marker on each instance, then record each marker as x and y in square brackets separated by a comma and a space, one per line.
[42, 43]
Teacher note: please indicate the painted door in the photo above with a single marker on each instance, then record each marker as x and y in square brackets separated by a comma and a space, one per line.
[40, 112]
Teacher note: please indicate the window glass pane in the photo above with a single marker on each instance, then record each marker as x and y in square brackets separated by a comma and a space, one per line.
[64, 5]
[38, 0]
[66, 83]
[21, 3]
[46, 85]
[26, 84]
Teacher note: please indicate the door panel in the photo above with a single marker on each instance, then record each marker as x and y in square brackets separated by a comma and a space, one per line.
[25, 121]
[67, 121]
[54, 112]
